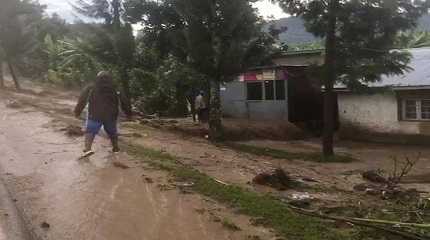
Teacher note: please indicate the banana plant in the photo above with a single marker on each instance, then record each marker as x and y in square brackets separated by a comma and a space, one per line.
[414, 39]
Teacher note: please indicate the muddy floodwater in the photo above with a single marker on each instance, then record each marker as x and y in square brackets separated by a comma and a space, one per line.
[61, 197]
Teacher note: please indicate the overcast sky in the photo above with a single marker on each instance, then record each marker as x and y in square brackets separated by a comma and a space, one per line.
[63, 8]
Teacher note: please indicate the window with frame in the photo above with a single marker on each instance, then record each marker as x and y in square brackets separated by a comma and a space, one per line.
[416, 109]
[266, 90]
[254, 90]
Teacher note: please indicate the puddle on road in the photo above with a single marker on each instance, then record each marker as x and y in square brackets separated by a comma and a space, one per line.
[94, 200]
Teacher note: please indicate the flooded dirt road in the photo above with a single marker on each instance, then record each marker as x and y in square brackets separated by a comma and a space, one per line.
[61, 197]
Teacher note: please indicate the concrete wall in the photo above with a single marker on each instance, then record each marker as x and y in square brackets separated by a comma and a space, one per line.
[234, 104]
[233, 97]
[376, 113]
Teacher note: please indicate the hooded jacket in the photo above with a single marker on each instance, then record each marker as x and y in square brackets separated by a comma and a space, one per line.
[103, 101]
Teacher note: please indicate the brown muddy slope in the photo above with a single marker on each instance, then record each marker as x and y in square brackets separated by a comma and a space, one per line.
[63, 198]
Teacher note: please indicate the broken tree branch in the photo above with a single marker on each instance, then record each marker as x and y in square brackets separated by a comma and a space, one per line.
[416, 225]
[406, 235]
[396, 176]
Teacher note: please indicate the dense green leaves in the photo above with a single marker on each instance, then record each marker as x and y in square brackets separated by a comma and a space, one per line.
[218, 39]
[18, 21]
[413, 39]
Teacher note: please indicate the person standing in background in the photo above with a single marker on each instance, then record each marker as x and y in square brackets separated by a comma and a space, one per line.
[200, 106]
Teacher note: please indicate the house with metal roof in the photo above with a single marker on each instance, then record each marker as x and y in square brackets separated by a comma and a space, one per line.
[281, 92]
[397, 105]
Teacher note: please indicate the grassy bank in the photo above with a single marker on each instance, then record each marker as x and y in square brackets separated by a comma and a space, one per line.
[274, 212]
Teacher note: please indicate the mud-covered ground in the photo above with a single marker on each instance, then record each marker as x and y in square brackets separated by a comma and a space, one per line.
[61, 197]
[95, 200]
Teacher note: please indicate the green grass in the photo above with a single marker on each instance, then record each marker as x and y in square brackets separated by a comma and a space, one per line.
[282, 154]
[277, 214]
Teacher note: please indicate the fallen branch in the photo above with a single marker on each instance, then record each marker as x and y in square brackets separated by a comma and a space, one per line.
[221, 182]
[416, 225]
[406, 235]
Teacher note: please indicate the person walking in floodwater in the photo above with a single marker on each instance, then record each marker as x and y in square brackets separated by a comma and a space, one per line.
[103, 108]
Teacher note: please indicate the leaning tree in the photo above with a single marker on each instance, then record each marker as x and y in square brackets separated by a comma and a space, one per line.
[17, 33]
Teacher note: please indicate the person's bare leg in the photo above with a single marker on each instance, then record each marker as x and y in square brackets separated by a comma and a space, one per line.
[89, 139]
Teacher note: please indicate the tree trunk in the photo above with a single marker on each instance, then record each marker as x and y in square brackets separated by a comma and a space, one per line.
[1, 75]
[216, 132]
[116, 6]
[330, 78]
[14, 77]
[181, 109]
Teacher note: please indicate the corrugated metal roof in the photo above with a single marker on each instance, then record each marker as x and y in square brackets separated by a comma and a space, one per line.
[418, 77]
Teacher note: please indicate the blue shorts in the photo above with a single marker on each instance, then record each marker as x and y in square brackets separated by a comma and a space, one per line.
[94, 127]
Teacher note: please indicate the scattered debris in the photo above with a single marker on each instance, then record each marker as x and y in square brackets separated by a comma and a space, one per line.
[186, 184]
[309, 179]
[200, 210]
[277, 179]
[362, 187]
[73, 131]
[259, 222]
[382, 225]
[398, 174]
[300, 196]
[13, 104]
[388, 187]
[230, 225]
[403, 195]
[165, 187]
[387, 192]
[302, 200]
[45, 225]
[149, 180]
[120, 164]
[373, 191]
[375, 176]
[221, 182]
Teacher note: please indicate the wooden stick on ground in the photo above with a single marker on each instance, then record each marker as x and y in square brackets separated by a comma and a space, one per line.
[406, 235]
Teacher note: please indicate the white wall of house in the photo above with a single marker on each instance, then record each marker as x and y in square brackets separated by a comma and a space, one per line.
[378, 113]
